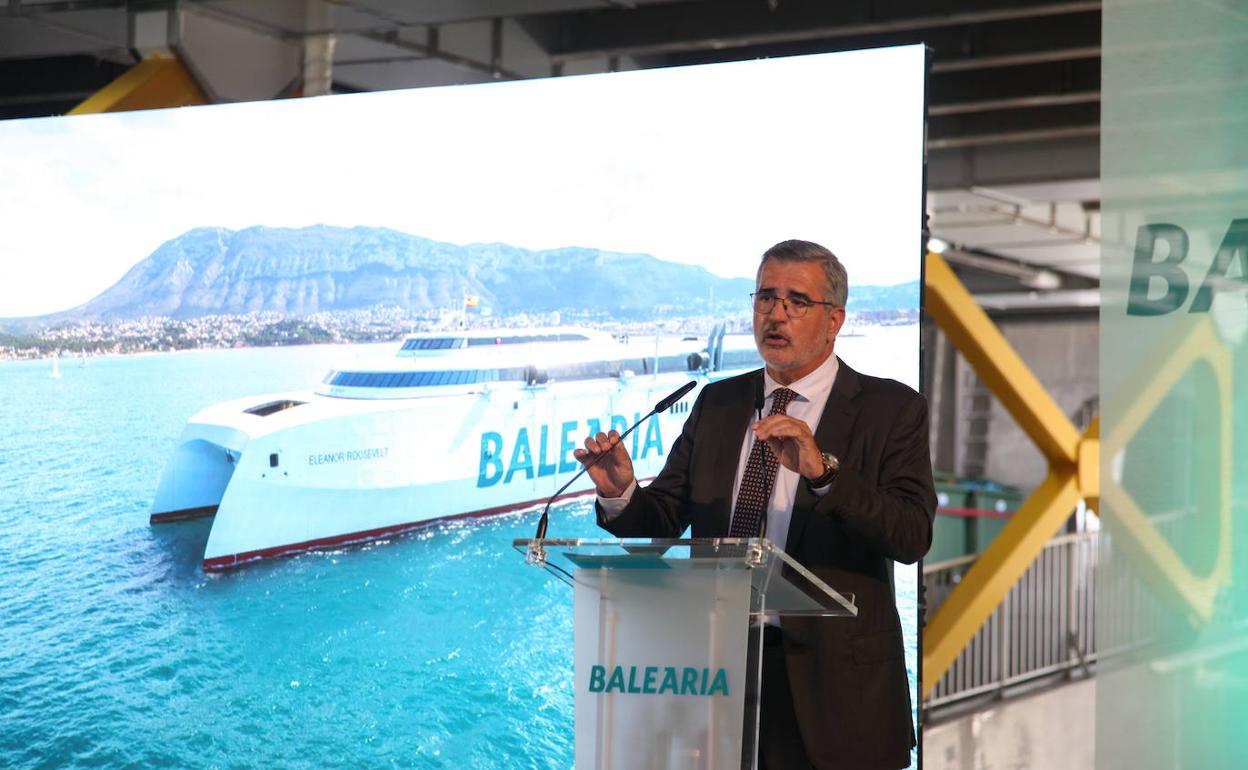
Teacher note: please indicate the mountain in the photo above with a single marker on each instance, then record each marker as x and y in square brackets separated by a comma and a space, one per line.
[301, 271]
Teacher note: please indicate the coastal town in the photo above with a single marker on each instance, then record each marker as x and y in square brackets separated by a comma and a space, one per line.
[379, 324]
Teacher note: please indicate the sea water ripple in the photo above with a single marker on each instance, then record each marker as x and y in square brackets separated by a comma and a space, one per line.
[435, 649]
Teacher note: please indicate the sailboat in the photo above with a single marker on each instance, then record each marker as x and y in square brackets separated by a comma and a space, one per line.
[56, 367]
[83, 362]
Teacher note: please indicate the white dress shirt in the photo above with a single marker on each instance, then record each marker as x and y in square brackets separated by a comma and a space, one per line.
[812, 395]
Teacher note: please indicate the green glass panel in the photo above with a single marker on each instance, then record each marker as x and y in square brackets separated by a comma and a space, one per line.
[1172, 604]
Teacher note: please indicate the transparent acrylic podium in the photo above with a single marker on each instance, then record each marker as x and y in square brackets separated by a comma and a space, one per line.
[668, 643]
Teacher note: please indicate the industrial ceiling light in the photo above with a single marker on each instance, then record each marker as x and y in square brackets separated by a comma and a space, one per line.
[1042, 280]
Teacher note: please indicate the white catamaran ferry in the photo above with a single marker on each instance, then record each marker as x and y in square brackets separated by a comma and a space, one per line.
[458, 424]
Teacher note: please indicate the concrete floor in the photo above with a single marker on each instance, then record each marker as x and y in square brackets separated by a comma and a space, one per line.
[1053, 729]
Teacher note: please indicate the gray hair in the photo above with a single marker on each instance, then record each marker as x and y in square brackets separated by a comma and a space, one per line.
[806, 251]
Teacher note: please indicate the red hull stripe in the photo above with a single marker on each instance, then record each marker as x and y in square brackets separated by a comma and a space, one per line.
[183, 515]
[217, 563]
[973, 513]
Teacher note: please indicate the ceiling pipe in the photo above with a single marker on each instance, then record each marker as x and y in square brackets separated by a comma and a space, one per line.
[1014, 103]
[1015, 59]
[1037, 278]
[808, 32]
[1010, 137]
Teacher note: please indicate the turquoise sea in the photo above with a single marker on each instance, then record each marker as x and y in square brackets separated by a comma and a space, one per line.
[435, 649]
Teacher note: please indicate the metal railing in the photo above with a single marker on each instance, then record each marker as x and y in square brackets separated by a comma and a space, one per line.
[1043, 627]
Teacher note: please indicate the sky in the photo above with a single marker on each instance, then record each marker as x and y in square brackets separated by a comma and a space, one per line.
[704, 165]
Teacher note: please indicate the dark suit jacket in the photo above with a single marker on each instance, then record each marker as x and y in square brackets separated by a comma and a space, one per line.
[848, 675]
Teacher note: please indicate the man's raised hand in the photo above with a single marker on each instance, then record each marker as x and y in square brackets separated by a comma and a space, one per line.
[612, 474]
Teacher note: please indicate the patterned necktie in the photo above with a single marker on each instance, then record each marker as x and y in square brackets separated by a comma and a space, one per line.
[754, 497]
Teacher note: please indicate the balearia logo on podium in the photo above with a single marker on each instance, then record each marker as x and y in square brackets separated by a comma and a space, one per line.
[639, 680]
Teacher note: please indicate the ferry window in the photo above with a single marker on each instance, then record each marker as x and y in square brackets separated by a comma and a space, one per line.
[434, 343]
[420, 379]
[264, 410]
[677, 363]
[733, 359]
[525, 338]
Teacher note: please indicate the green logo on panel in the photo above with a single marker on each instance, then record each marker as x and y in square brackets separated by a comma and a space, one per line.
[1159, 252]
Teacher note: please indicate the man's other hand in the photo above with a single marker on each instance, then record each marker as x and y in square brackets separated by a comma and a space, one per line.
[793, 444]
[614, 473]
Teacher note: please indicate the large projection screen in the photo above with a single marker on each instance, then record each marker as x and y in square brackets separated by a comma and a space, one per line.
[438, 649]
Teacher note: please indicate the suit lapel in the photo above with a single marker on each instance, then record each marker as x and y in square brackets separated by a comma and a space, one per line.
[832, 435]
[736, 420]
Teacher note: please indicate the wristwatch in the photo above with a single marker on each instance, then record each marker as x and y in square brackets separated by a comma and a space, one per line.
[830, 467]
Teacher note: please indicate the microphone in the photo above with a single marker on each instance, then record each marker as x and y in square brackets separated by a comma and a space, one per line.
[666, 403]
[662, 406]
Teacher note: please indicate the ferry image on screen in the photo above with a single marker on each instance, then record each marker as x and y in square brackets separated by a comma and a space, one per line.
[455, 425]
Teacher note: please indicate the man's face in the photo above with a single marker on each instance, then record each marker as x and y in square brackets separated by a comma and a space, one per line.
[795, 347]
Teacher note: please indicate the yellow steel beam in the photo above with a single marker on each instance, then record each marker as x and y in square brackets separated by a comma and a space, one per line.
[1089, 465]
[158, 81]
[971, 331]
[995, 572]
[1073, 470]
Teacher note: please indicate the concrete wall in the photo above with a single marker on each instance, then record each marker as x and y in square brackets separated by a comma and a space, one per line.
[1054, 729]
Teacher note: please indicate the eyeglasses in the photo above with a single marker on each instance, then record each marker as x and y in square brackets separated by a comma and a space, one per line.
[794, 307]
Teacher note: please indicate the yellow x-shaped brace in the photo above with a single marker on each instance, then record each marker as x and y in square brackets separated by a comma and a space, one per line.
[1074, 470]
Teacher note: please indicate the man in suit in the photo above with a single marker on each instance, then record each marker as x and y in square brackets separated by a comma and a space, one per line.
[838, 465]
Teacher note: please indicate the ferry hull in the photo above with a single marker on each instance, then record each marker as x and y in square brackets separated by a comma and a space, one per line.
[336, 471]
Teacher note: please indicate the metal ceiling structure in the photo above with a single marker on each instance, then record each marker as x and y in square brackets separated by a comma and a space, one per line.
[1014, 89]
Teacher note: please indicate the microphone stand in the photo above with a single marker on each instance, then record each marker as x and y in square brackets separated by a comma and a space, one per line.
[537, 554]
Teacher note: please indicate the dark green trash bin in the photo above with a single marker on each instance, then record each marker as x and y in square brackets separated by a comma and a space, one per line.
[950, 536]
[995, 504]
